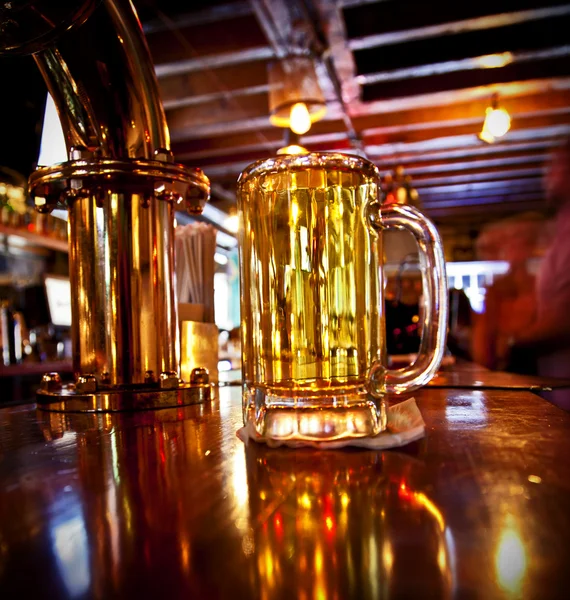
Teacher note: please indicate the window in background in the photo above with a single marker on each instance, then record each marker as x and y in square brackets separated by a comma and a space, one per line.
[226, 291]
[473, 277]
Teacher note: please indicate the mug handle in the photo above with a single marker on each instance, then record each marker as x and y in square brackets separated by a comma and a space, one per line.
[434, 282]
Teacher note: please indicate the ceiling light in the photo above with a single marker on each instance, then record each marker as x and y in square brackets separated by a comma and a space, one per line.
[492, 61]
[497, 122]
[295, 98]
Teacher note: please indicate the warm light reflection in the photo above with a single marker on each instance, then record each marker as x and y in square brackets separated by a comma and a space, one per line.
[387, 555]
[424, 501]
[129, 477]
[294, 212]
[239, 479]
[323, 535]
[320, 580]
[292, 149]
[441, 556]
[510, 558]
[185, 553]
[492, 61]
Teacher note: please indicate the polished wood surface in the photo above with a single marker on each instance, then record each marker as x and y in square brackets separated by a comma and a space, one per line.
[170, 504]
[467, 375]
[36, 368]
[462, 374]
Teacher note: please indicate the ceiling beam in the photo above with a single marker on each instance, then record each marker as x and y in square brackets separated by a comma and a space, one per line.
[548, 103]
[483, 212]
[227, 42]
[353, 3]
[284, 22]
[445, 82]
[338, 60]
[463, 64]
[331, 16]
[431, 131]
[201, 130]
[464, 104]
[480, 187]
[389, 147]
[523, 37]
[200, 86]
[213, 61]
[392, 23]
[456, 165]
[463, 142]
[205, 16]
[497, 189]
[505, 148]
[460, 202]
[181, 120]
[472, 175]
[481, 208]
[514, 89]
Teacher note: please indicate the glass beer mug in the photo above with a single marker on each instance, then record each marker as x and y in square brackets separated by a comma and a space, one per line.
[312, 308]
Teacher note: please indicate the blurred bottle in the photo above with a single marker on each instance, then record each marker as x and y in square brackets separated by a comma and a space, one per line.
[11, 324]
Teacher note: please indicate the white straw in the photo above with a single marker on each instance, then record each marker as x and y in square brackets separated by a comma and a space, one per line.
[195, 246]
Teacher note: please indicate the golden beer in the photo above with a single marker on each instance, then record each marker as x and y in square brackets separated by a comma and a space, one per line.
[311, 305]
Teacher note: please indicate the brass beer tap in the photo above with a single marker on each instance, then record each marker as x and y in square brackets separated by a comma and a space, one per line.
[121, 187]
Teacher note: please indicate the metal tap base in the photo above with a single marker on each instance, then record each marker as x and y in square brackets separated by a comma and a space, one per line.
[57, 397]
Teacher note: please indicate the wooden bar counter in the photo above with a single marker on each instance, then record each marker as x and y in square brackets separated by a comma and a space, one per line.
[170, 504]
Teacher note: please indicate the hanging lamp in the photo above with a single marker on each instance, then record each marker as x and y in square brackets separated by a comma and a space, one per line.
[296, 100]
[497, 122]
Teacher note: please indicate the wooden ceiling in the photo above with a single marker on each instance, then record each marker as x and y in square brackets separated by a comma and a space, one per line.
[405, 82]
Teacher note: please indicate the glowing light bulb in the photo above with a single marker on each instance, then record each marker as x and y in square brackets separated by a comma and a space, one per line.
[498, 122]
[300, 120]
[493, 61]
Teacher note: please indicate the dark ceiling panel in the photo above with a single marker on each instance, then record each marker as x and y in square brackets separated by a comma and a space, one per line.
[397, 15]
[177, 89]
[532, 35]
[149, 10]
[555, 67]
[203, 40]
[488, 200]
[481, 188]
